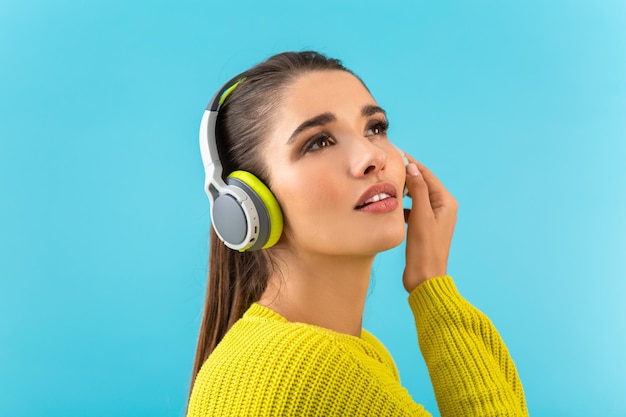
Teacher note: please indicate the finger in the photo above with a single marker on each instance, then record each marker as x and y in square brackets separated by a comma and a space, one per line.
[418, 190]
[434, 185]
[439, 196]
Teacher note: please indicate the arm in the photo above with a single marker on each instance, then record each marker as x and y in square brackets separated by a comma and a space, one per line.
[470, 367]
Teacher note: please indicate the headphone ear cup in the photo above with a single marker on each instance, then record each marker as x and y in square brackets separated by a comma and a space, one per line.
[270, 216]
[229, 220]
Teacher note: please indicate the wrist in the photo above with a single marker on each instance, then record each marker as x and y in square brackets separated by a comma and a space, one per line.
[413, 280]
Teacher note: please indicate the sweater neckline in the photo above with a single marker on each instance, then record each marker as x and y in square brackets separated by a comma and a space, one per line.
[257, 310]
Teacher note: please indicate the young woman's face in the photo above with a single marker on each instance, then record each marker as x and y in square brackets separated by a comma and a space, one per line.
[336, 175]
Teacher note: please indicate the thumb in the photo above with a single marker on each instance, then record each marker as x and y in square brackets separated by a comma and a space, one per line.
[418, 189]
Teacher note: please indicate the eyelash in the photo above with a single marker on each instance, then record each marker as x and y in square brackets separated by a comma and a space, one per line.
[382, 125]
[311, 145]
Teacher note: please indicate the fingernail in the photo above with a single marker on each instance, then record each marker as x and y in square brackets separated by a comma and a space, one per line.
[412, 170]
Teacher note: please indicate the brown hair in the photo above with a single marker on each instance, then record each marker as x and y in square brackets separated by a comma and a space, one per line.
[238, 279]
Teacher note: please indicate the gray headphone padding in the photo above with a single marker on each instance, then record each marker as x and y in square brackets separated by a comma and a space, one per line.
[229, 219]
[263, 215]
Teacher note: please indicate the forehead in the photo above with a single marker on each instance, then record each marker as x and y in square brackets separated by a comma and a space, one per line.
[318, 92]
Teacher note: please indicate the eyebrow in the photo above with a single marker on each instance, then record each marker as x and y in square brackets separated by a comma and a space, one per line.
[326, 118]
[367, 111]
[319, 120]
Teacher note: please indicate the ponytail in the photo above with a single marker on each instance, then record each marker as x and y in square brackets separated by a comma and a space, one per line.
[236, 280]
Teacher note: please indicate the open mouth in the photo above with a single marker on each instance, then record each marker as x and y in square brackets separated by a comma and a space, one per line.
[381, 194]
[376, 198]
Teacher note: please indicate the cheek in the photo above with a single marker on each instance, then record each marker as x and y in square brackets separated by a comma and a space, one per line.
[311, 207]
[308, 200]
[396, 167]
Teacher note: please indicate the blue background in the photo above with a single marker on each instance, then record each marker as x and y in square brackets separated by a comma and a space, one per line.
[519, 107]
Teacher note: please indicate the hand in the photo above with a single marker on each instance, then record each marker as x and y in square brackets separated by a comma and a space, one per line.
[430, 222]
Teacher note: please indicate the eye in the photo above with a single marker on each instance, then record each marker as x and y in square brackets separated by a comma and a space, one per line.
[377, 127]
[318, 142]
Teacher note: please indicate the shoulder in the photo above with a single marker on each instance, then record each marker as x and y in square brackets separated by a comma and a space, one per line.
[263, 341]
[381, 351]
[265, 338]
[268, 363]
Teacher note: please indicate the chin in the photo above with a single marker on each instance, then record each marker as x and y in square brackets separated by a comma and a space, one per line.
[390, 239]
[391, 242]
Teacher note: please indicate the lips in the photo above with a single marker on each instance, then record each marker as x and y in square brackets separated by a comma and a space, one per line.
[378, 194]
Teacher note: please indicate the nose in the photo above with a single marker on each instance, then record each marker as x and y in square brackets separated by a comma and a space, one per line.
[369, 158]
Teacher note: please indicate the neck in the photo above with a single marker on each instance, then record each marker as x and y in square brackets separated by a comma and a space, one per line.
[325, 291]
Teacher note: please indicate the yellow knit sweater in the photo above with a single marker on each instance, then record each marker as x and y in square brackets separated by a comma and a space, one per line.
[268, 366]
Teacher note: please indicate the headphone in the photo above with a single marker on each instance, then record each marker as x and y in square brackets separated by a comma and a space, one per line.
[244, 212]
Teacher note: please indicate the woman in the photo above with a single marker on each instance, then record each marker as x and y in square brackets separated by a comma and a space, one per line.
[281, 332]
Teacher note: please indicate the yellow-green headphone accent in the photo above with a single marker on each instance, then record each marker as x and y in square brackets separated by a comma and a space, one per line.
[272, 207]
[229, 90]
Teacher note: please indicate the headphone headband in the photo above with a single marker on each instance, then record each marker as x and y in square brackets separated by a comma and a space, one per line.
[244, 213]
[213, 183]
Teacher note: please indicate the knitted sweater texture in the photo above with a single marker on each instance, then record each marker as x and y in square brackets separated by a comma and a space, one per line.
[268, 366]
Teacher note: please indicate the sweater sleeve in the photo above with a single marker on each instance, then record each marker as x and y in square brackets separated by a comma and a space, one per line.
[469, 365]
